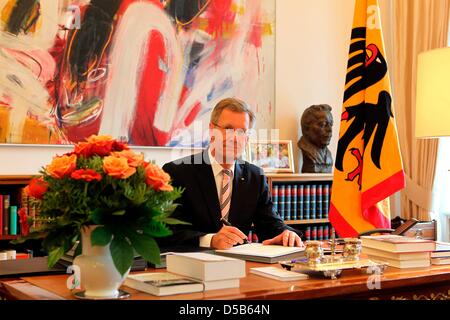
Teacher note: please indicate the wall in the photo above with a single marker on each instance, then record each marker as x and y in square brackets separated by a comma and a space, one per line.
[312, 39]
[311, 61]
[311, 53]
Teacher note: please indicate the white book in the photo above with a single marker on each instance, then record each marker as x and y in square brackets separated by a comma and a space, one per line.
[278, 274]
[440, 261]
[403, 256]
[221, 284]
[402, 264]
[205, 266]
[263, 253]
[162, 283]
[442, 250]
[394, 243]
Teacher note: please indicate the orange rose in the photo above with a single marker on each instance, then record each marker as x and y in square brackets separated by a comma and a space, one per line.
[37, 188]
[86, 175]
[157, 178]
[117, 167]
[134, 159]
[83, 149]
[101, 145]
[62, 166]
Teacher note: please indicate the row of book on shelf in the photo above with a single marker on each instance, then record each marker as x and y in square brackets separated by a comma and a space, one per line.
[301, 202]
[322, 232]
[9, 214]
[405, 252]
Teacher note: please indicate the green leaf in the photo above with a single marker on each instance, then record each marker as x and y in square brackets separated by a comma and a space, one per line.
[54, 256]
[156, 229]
[122, 253]
[97, 216]
[101, 236]
[175, 221]
[119, 213]
[145, 246]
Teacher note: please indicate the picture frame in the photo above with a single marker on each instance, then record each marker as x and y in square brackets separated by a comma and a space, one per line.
[273, 156]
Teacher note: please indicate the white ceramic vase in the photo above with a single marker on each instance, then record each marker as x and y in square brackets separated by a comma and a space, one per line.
[98, 275]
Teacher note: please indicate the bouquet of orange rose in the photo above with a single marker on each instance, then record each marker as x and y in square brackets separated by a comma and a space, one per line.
[102, 182]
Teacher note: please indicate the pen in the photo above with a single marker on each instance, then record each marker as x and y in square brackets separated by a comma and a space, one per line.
[227, 223]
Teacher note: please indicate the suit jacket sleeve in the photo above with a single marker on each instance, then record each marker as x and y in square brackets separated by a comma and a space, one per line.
[181, 234]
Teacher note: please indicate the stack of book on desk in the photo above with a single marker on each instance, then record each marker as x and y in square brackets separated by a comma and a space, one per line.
[398, 251]
[441, 255]
[215, 272]
[190, 272]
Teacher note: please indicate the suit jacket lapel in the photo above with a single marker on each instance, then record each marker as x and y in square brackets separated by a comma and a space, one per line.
[208, 187]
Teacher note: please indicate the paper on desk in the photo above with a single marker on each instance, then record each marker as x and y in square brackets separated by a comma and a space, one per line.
[260, 250]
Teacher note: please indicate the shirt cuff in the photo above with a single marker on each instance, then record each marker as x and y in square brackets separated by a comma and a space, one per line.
[205, 241]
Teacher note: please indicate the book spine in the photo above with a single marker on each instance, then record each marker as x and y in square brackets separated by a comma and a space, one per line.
[275, 198]
[294, 203]
[300, 192]
[6, 199]
[320, 233]
[282, 200]
[288, 197]
[24, 205]
[312, 202]
[306, 200]
[326, 232]
[13, 220]
[1, 214]
[326, 200]
[314, 233]
[319, 200]
[308, 233]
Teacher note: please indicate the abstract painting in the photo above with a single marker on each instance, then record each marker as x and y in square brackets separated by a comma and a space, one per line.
[147, 72]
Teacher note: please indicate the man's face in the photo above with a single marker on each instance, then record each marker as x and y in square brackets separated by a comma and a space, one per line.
[320, 129]
[229, 136]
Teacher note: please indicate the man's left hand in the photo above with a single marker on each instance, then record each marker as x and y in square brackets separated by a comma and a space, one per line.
[286, 238]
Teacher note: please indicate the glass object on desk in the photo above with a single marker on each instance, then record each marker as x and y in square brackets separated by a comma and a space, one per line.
[352, 249]
[314, 252]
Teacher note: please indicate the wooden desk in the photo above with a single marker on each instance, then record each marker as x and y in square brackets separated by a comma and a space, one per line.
[418, 283]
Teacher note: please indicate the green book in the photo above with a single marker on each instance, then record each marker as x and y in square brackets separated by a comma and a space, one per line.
[13, 220]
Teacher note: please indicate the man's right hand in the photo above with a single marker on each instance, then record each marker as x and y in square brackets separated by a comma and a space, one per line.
[227, 237]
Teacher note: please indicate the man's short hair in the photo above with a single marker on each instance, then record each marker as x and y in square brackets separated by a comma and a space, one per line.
[234, 105]
[308, 115]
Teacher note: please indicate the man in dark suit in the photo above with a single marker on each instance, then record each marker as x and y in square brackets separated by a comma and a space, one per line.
[224, 195]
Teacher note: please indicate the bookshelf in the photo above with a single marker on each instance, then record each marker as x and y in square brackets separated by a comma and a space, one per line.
[302, 201]
[12, 186]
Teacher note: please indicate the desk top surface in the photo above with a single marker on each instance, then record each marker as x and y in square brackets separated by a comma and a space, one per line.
[351, 282]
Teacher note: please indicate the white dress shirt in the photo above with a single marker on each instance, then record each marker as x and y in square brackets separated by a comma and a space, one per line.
[205, 241]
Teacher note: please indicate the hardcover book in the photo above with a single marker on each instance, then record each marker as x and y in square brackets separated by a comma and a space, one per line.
[442, 250]
[205, 266]
[401, 256]
[163, 283]
[402, 264]
[394, 243]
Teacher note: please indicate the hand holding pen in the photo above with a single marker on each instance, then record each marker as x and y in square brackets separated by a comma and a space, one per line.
[227, 223]
[228, 236]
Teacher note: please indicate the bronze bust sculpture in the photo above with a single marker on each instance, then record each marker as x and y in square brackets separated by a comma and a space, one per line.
[316, 124]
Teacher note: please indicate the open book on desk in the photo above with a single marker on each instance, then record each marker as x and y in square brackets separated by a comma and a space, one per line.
[263, 253]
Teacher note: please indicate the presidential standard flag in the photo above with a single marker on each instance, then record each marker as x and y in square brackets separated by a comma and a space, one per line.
[368, 166]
